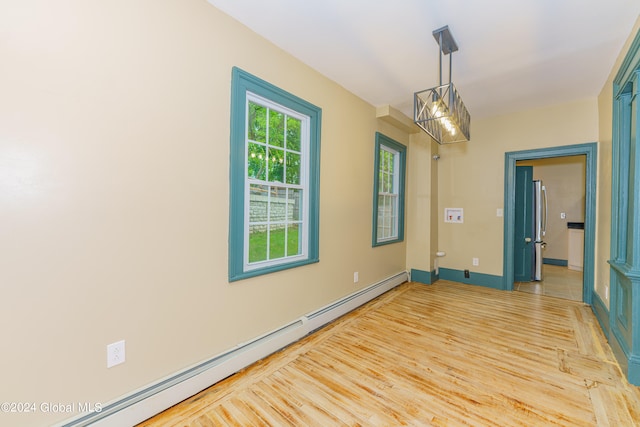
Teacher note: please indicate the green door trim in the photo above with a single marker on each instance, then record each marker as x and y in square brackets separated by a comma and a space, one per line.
[590, 150]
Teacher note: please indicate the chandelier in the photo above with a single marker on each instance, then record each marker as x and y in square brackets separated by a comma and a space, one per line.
[439, 111]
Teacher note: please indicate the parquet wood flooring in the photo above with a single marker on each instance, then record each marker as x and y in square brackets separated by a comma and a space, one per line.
[447, 354]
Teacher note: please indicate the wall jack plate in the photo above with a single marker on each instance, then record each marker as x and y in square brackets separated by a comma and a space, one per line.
[455, 215]
[115, 354]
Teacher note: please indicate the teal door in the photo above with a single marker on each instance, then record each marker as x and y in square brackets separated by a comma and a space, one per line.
[523, 244]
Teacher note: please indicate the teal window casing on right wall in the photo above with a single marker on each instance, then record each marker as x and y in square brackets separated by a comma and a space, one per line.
[624, 303]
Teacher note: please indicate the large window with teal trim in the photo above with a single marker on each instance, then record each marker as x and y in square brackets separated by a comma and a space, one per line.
[275, 155]
[388, 191]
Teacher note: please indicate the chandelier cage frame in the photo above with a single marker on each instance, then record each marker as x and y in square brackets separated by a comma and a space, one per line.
[440, 111]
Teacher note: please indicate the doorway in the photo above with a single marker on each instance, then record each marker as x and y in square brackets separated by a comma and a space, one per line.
[555, 263]
[590, 152]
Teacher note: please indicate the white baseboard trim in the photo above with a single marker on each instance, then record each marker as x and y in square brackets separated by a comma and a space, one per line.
[150, 400]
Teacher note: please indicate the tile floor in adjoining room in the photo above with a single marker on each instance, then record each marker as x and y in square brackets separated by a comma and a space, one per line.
[558, 281]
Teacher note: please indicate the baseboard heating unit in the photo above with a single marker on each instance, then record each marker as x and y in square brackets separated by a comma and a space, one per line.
[155, 398]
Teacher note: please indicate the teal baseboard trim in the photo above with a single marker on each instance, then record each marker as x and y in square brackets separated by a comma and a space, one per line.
[601, 312]
[478, 279]
[633, 372]
[553, 261]
[434, 276]
[422, 276]
[629, 362]
[621, 355]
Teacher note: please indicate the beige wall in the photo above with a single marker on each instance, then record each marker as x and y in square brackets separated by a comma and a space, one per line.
[114, 148]
[564, 179]
[603, 228]
[421, 197]
[114, 134]
[471, 176]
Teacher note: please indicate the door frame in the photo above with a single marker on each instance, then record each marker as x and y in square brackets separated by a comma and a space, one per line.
[590, 150]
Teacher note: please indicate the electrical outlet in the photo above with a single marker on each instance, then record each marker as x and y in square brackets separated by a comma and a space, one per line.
[466, 274]
[355, 277]
[475, 261]
[563, 215]
[115, 354]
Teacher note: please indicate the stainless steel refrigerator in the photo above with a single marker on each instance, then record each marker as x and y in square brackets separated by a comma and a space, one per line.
[539, 226]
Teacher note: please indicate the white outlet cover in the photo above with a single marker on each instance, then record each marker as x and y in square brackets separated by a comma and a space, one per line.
[115, 353]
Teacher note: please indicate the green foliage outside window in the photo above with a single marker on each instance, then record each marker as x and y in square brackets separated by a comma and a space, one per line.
[273, 157]
[272, 161]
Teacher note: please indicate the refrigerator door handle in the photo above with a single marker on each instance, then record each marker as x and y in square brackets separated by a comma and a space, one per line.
[546, 210]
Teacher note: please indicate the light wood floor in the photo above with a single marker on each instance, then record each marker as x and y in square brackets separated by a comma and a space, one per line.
[447, 354]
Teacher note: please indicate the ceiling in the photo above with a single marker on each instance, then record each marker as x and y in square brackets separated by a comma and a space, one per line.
[513, 55]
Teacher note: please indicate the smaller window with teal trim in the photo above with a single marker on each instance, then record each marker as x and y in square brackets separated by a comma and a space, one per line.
[388, 191]
[275, 158]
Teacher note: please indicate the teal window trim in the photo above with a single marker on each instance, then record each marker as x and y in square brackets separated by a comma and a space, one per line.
[242, 83]
[624, 262]
[382, 140]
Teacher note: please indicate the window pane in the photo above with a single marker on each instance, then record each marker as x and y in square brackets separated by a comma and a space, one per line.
[260, 190]
[293, 168]
[276, 165]
[387, 213]
[276, 241]
[381, 216]
[293, 134]
[393, 222]
[277, 204]
[276, 128]
[257, 123]
[294, 205]
[257, 243]
[258, 204]
[256, 161]
[294, 240]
